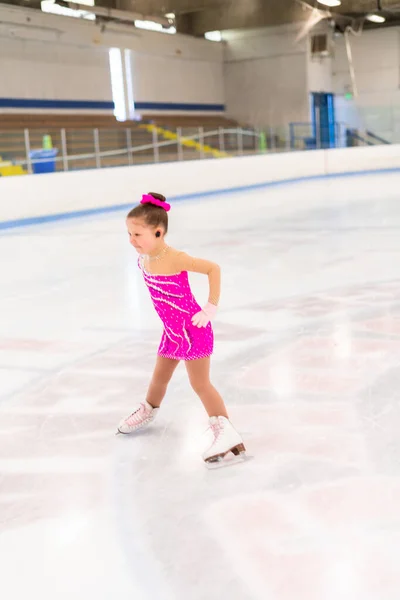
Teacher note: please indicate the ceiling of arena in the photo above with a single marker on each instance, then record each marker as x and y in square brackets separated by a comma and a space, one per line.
[195, 17]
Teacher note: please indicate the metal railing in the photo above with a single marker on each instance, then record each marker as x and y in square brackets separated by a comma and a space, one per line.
[339, 135]
[100, 148]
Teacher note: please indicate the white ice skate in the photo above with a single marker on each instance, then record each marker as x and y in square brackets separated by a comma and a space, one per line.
[140, 418]
[226, 440]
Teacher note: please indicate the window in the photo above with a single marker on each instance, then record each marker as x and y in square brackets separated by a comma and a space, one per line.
[117, 83]
[50, 6]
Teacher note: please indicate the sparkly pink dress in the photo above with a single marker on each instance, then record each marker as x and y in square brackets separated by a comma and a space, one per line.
[176, 305]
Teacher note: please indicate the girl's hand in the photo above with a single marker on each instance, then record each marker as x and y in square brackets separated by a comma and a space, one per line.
[202, 318]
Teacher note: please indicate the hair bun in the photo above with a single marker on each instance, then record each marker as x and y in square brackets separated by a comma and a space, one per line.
[158, 196]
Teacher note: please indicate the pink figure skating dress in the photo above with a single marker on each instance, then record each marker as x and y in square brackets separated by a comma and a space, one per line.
[176, 305]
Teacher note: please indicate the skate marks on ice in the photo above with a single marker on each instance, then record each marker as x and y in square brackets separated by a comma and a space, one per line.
[348, 338]
[61, 428]
[302, 508]
[305, 438]
[339, 540]
[56, 475]
[322, 521]
[330, 450]
[314, 395]
[322, 365]
[164, 480]
[161, 476]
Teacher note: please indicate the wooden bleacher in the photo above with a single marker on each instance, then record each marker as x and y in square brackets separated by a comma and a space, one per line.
[112, 135]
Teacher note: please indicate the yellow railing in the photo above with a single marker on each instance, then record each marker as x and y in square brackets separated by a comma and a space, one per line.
[186, 142]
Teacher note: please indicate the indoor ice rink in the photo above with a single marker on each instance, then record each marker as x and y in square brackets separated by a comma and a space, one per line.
[307, 358]
[272, 127]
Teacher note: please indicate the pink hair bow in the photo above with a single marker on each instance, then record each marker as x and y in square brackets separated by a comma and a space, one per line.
[147, 199]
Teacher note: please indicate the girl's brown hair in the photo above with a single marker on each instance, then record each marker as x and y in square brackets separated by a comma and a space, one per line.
[152, 215]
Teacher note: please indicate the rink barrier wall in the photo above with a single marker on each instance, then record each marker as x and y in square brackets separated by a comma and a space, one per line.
[35, 199]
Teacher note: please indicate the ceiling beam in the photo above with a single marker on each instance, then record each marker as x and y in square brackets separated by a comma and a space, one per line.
[366, 6]
[171, 6]
[246, 14]
[197, 17]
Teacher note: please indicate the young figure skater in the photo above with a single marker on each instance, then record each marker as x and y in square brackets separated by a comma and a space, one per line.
[188, 334]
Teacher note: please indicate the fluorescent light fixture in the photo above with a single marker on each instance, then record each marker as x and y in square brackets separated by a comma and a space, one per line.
[49, 6]
[152, 26]
[213, 36]
[117, 83]
[129, 84]
[376, 18]
[330, 2]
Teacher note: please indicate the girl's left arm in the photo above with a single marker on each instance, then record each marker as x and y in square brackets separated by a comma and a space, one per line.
[199, 265]
[206, 267]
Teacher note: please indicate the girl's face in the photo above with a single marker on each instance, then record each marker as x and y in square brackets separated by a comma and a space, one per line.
[142, 237]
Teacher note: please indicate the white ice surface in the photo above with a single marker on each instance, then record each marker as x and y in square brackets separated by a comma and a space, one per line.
[307, 357]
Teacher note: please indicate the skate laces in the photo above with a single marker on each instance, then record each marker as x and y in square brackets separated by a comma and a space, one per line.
[216, 428]
[138, 416]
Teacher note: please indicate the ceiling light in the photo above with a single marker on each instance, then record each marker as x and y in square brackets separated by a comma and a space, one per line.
[152, 26]
[213, 36]
[376, 18]
[330, 2]
[50, 6]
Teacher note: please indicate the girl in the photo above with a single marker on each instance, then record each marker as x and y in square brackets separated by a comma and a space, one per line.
[187, 332]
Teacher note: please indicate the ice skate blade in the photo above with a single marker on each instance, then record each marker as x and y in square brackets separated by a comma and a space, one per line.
[234, 456]
[119, 432]
[236, 450]
[133, 432]
[223, 463]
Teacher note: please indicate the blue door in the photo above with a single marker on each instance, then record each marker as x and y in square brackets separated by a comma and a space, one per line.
[323, 119]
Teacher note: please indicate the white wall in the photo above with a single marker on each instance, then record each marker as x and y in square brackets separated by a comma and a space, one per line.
[53, 57]
[320, 77]
[175, 80]
[376, 56]
[46, 71]
[266, 76]
[34, 195]
[269, 77]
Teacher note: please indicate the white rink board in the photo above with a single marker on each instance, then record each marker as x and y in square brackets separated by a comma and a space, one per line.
[50, 194]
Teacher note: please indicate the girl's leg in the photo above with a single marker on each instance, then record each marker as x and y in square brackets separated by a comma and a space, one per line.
[164, 369]
[199, 376]
[145, 413]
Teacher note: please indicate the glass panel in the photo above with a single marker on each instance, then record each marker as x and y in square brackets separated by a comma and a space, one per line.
[190, 143]
[142, 145]
[114, 143]
[249, 141]
[80, 146]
